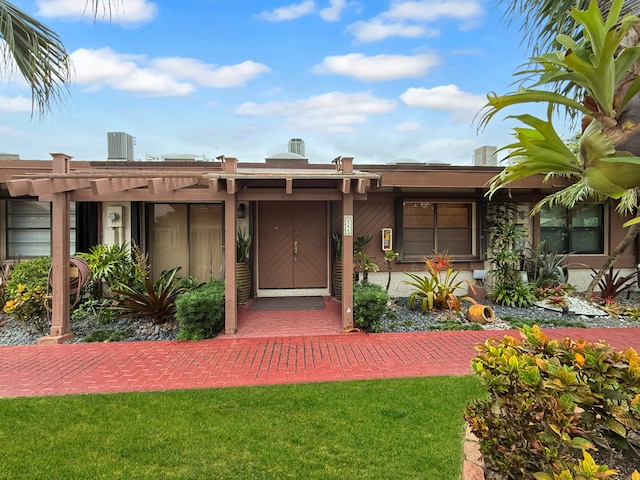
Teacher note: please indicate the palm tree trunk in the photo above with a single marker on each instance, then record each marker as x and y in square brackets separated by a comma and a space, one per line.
[627, 240]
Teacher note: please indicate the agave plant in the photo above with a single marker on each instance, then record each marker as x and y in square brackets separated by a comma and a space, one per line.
[156, 301]
[596, 64]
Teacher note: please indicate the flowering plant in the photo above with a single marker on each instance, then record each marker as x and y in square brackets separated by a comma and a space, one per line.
[438, 287]
[28, 307]
[557, 301]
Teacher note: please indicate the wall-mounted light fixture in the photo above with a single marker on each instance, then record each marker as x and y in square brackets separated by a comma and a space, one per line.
[242, 211]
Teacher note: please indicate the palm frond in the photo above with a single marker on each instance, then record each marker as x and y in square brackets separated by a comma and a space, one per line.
[569, 197]
[39, 55]
[543, 20]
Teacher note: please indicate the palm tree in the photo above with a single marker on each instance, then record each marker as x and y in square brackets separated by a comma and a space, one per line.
[38, 53]
[595, 75]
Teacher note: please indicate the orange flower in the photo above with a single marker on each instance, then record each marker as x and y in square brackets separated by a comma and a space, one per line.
[438, 263]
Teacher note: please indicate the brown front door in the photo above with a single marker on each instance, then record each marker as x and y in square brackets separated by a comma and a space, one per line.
[292, 245]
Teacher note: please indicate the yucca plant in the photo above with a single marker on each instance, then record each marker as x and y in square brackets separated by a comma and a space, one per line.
[156, 301]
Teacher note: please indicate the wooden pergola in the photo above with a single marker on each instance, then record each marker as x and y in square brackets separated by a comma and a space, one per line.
[222, 181]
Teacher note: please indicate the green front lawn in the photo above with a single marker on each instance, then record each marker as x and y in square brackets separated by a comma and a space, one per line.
[383, 429]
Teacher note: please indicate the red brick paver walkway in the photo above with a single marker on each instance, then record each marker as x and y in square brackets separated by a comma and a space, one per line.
[233, 361]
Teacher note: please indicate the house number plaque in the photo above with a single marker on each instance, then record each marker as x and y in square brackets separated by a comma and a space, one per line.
[348, 225]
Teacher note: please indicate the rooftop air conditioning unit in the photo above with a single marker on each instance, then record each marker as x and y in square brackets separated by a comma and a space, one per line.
[120, 146]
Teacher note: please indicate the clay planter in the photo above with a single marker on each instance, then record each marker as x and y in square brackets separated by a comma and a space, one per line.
[480, 314]
[336, 279]
[243, 281]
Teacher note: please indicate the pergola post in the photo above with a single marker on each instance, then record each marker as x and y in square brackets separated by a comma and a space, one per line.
[347, 260]
[230, 289]
[60, 259]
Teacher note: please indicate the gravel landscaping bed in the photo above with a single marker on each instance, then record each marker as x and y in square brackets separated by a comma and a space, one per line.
[400, 318]
[582, 314]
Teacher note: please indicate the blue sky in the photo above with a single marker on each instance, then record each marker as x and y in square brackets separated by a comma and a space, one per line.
[377, 80]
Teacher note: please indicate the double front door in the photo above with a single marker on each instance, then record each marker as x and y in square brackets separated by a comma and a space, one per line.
[292, 245]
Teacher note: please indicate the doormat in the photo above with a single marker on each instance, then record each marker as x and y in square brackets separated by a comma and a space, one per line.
[262, 304]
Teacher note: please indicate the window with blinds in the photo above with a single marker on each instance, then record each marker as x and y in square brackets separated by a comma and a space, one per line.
[579, 231]
[29, 228]
[429, 227]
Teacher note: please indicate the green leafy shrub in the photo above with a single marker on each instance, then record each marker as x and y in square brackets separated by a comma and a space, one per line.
[506, 254]
[26, 293]
[154, 300]
[514, 293]
[110, 265]
[200, 312]
[369, 304]
[548, 398]
[109, 335]
[99, 309]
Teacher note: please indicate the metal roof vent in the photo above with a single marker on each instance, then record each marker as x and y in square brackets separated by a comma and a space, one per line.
[296, 145]
[485, 156]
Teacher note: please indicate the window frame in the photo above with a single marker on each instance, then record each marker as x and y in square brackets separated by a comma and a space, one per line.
[9, 230]
[472, 228]
[571, 230]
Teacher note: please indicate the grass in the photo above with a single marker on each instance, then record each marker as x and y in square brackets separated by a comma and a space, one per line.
[382, 429]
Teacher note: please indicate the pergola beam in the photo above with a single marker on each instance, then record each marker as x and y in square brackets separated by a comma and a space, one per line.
[161, 185]
[104, 186]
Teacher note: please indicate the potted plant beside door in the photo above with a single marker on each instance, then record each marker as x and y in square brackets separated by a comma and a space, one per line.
[243, 273]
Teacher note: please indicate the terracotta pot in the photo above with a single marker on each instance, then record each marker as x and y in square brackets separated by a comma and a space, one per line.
[243, 281]
[480, 314]
[336, 280]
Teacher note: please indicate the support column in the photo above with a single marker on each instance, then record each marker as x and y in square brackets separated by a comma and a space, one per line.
[230, 288]
[347, 260]
[60, 259]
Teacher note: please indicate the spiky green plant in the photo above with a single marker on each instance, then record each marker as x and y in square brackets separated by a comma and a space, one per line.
[156, 300]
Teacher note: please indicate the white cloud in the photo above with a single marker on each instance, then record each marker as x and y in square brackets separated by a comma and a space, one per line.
[333, 11]
[172, 76]
[128, 12]
[376, 68]
[106, 68]
[445, 98]
[290, 12]
[408, 127]
[15, 104]
[210, 75]
[329, 112]
[430, 11]
[375, 30]
[410, 19]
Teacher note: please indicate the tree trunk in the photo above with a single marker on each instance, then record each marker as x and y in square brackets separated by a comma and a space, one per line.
[627, 240]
